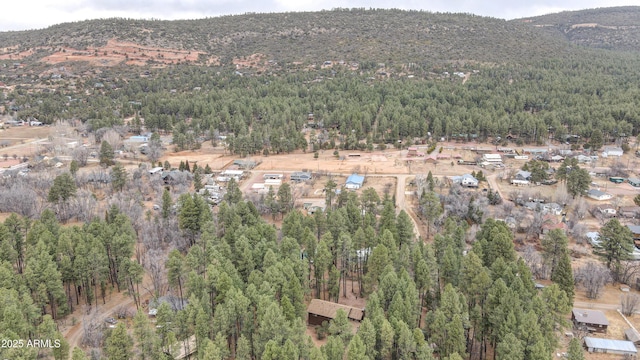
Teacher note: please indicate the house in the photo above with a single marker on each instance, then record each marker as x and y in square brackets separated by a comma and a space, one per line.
[320, 311]
[138, 139]
[590, 320]
[632, 335]
[521, 178]
[354, 182]
[620, 347]
[599, 195]
[549, 223]
[612, 151]
[635, 230]
[465, 180]
[300, 176]
[583, 159]
[631, 212]
[635, 182]
[552, 208]
[492, 158]
[607, 210]
[155, 170]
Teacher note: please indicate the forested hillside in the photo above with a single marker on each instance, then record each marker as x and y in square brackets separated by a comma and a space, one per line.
[615, 28]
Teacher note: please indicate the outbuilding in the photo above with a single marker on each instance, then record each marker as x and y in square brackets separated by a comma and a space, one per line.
[632, 335]
[492, 158]
[620, 347]
[635, 182]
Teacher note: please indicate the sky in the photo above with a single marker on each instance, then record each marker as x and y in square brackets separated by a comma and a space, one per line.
[37, 14]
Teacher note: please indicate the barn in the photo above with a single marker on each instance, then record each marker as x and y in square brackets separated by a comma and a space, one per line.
[620, 347]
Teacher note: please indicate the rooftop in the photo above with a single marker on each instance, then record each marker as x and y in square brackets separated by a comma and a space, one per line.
[590, 316]
[355, 179]
[329, 309]
[617, 345]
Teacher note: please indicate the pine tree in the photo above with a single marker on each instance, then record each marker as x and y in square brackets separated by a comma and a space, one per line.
[575, 351]
[73, 167]
[356, 349]
[167, 203]
[106, 154]
[615, 246]
[563, 276]
[118, 177]
[119, 344]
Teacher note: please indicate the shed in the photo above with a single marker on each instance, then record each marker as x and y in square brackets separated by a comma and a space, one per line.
[354, 182]
[320, 311]
[612, 151]
[590, 320]
[635, 182]
[621, 347]
[632, 335]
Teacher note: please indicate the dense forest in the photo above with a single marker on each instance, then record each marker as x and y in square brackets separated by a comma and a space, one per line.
[244, 284]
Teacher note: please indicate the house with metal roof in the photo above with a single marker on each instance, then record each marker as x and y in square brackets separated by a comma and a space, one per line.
[599, 195]
[612, 151]
[589, 320]
[620, 347]
[467, 180]
[354, 182]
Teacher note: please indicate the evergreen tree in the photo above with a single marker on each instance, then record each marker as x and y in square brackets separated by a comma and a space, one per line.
[73, 167]
[615, 246]
[106, 154]
[563, 276]
[575, 351]
[167, 203]
[119, 344]
[118, 177]
[356, 349]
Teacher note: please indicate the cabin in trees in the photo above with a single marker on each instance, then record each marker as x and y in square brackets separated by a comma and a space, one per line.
[631, 212]
[590, 320]
[620, 347]
[320, 311]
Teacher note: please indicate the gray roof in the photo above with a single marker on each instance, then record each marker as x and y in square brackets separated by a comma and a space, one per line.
[616, 345]
[590, 316]
[598, 193]
[634, 228]
[632, 335]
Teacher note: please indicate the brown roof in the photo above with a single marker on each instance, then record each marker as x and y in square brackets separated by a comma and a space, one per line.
[590, 316]
[329, 309]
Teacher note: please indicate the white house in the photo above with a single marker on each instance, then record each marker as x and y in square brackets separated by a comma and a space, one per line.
[465, 180]
[612, 151]
[521, 178]
[354, 182]
[599, 195]
[492, 158]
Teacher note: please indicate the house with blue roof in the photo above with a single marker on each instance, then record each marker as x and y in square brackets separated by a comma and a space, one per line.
[354, 182]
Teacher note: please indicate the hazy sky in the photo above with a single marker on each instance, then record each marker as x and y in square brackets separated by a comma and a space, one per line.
[36, 14]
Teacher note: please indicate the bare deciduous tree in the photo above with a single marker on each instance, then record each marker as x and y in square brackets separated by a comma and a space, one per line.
[593, 277]
[113, 138]
[580, 208]
[533, 259]
[81, 155]
[629, 304]
[92, 327]
[561, 195]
